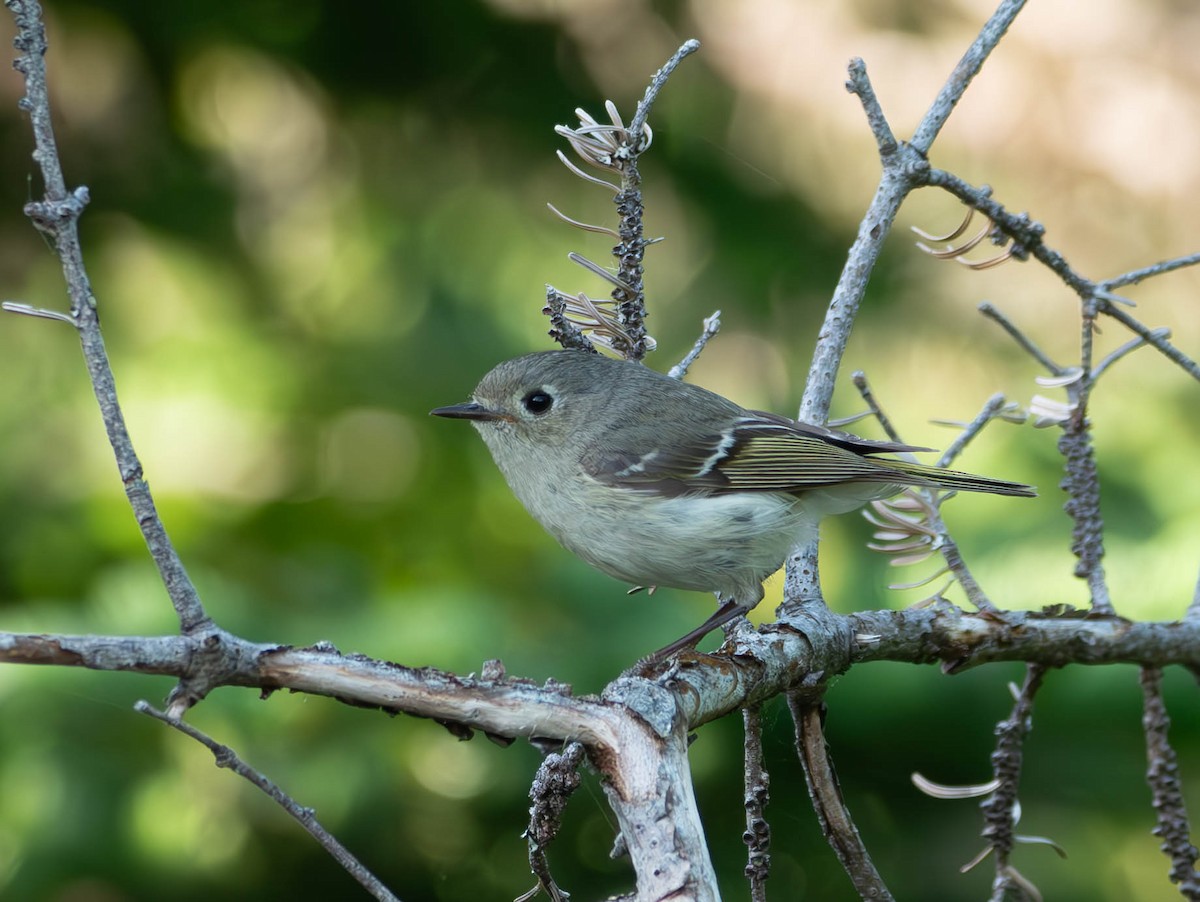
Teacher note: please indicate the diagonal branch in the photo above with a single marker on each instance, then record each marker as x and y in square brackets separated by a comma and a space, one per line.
[57, 216]
[966, 70]
[228, 758]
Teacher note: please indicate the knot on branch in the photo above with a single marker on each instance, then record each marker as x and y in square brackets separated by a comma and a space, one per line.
[50, 215]
[214, 658]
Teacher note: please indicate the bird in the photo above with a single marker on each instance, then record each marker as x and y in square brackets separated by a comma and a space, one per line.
[659, 482]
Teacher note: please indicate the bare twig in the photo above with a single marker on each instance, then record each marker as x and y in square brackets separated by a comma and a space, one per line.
[756, 785]
[836, 822]
[914, 538]
[657, 81]
[991, 312]
[57, 216]
[991, 409]
[859, 84]
[1135, 276]
[859, 378]
[712, 324]
[228, 758]
[903, 170]
[968, 67]
[1162, 774]
[1124, 350]
[1150, 336]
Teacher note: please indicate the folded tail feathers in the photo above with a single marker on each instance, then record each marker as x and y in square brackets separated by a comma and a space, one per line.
[938, 477]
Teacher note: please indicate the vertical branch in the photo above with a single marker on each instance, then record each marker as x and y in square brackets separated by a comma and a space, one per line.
[57, 216]
[905, 167]
[1163, 776]
[618, 323]
[836, 823]
[757, 785]
[1001, 807]
[1082, 482]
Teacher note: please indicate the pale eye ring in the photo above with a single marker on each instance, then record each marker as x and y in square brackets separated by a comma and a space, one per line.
[538, 402]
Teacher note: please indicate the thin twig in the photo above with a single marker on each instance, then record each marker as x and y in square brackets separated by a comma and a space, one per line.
[712, 325]
[932, 532]
[859, 378]
[990, 409]
[968, 67]
[756, 785]
[615, 149]
[1157, 269]
[826, 794]
[954, 560]
[860, 84]
[1150, 336]
[991, 312]
[228, 758]
[657, 81]
[1162, 773]
[1025, 232]
[1132, 345]
[58, 216]
[904, 170]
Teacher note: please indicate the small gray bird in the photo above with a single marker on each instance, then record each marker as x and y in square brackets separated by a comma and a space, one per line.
[661, 483]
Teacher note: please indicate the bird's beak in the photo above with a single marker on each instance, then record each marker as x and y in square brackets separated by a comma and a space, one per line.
[468, 410]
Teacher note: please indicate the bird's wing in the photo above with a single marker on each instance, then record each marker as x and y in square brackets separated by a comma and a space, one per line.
[761, 452]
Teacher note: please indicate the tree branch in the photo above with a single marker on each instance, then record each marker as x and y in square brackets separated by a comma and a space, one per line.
[1162, 774]
[57, 216]
[306, 817]
[826, 794]
[755, 785]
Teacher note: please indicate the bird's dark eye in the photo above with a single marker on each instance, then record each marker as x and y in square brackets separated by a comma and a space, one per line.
[537, 402]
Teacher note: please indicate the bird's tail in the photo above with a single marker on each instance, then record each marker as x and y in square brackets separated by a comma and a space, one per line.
[941, 478]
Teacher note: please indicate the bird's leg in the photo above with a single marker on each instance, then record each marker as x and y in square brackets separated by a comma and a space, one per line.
[728, 610]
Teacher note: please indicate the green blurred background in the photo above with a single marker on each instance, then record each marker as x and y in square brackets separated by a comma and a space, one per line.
[312, 222]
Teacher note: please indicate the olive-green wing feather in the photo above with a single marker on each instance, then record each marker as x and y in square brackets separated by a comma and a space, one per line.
[766, 453]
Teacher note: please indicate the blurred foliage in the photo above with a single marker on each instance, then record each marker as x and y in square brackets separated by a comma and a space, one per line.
[312, 222]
